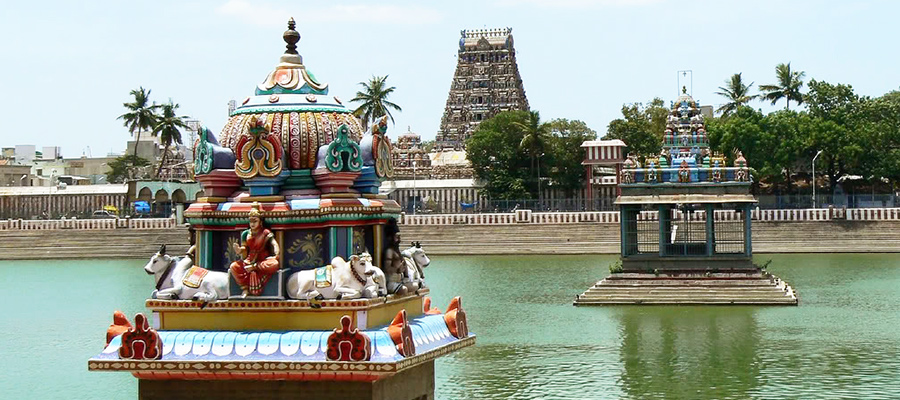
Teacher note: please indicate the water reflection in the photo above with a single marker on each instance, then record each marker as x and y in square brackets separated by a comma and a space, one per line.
[688, 352]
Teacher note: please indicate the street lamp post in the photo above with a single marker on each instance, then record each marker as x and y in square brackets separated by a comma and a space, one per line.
[540, 199]
[414, 187]
[814, 177]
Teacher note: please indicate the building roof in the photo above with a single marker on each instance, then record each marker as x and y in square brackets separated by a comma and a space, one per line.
[431, 184]
[70, 189]
[449, 157]
[599, 143]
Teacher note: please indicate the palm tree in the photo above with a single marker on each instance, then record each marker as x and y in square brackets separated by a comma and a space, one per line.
[141, 116]
[534, 139]
[788, 86]
[168, 127]
[374, 101]
[737, 94]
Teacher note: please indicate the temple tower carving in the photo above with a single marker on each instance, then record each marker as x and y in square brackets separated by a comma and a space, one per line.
[486, 82]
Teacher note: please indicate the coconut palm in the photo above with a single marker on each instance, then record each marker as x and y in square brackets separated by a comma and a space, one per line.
[141, 116]
[737, 94]
[168, 127]
[374, 101]
[534, 139]
[788, 86]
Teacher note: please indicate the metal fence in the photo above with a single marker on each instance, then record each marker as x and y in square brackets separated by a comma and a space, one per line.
[766, 202]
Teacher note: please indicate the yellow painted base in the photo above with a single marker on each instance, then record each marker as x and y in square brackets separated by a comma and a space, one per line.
[212, 199]
[375, 196]
[340, 195]
[250, 199]
[284, 318]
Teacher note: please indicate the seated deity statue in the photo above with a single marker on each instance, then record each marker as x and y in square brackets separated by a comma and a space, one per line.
[259, 256]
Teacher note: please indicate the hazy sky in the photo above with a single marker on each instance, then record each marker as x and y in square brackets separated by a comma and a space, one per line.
[67, 67]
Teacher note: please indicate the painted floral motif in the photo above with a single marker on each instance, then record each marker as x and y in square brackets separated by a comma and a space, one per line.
[141, 342]
[311, 247]
[348, 344]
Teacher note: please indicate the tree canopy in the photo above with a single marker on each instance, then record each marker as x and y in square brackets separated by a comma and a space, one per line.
[641, 128]
[374, 100]
[500, 153]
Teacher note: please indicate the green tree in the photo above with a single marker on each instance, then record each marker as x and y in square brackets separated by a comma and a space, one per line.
[498, 158]
[736, 93]
[641, 128]
[374, 99]
[141, 116]
[564, 154]
[119, 170]
[880, 136]
[535, 135]
[838, 128]
[168, 127]
[788, 86]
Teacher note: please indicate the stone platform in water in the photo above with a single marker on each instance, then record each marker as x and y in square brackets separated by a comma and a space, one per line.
[735, 288]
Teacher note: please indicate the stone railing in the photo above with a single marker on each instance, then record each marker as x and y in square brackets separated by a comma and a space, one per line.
[88, 224]
[529, 217]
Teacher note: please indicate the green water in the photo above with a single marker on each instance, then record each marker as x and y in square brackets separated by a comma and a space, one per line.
[842, 342]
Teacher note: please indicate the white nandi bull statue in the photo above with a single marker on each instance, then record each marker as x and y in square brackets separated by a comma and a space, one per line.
[376, 284]
[177, 278]
[416, 261]
[339, 280]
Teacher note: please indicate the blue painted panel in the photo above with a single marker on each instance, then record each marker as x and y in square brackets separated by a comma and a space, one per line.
[168, 339]
[223, 343]
[310, 343]
[383, 343]
[245, 343]
[184, 342]
[290, 343]
[304, 204]
[268, 343]
[203, 343]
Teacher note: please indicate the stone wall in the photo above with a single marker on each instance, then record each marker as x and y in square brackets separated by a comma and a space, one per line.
[836, 236]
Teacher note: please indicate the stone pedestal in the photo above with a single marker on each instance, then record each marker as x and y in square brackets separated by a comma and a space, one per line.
[416, 383]
[367, 182]
[219, 182]
[334, 182]
[265, 186]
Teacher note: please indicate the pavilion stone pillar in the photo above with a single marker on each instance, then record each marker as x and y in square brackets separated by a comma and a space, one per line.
[665, 226]
[710, 229]
[748, 223]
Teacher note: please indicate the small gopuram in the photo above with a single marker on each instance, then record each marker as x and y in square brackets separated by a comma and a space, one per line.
[297, 286]
[685, 220]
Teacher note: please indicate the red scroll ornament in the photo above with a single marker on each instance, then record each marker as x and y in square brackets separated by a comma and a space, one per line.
[401, 334]
[141, 342]
[348, 344]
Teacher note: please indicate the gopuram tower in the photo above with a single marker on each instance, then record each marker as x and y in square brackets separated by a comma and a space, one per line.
[485, 83]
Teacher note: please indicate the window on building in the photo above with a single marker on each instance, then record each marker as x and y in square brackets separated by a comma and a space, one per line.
[478, 117]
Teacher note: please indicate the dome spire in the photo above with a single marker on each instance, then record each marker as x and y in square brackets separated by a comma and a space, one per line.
[291, 37]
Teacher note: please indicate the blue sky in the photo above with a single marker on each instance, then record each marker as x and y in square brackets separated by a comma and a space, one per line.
[66, 67]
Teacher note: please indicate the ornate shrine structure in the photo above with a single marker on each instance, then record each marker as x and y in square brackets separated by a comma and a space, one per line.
[685, 226]
[296, 286]
[485, 83]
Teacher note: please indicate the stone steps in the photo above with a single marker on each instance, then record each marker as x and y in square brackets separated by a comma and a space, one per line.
[90, 244]
[723, 288]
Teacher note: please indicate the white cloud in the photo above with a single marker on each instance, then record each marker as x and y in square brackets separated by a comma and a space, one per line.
[266, 14]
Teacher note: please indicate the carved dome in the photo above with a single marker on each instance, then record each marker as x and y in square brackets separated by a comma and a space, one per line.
[294, 107]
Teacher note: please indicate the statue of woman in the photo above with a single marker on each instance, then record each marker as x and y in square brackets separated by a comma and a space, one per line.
[259, 256]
